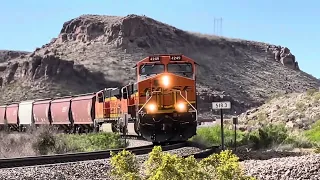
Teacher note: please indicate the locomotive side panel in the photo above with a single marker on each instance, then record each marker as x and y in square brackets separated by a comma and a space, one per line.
[60, 111]
[99, 106]
[12, 114]
[41, 112]
[113, 107]
[2, 115]
[82, 109]
[25, 113]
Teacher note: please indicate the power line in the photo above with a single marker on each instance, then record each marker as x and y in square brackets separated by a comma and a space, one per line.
[217, 26]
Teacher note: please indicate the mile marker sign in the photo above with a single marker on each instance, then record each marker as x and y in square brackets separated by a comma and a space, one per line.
[221, 105]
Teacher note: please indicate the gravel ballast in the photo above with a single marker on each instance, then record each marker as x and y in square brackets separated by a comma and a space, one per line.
[287, 168]
[85, 170]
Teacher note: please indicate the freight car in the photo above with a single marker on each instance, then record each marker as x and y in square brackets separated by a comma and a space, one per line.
[160, 106]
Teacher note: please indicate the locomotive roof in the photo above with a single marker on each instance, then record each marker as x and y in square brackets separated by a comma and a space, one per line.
[147, 59]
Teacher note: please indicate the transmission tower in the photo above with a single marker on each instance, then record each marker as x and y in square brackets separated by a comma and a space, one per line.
[217, 26]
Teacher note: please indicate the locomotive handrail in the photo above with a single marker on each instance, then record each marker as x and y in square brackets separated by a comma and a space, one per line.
[147, 101]
[189, 104]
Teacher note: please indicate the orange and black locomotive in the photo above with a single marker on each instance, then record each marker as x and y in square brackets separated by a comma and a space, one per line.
[161, 105]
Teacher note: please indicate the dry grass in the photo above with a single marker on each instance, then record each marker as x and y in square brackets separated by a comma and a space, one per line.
[46, 140]
[21, 144]
[16, 145]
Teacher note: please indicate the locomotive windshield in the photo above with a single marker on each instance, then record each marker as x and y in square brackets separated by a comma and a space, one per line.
[151, 69]
[184, 69]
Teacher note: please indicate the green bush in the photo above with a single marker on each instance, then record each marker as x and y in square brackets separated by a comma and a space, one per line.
[48, 142]
[299, 140]
[313, 134]
[92, 142]
[125, 166]
[269, 135]
[163, 166]
[211, 136]
[265, 137]
[45, 143]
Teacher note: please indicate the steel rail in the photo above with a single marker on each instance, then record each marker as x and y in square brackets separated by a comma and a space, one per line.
[206, 153]
[135, 137]
[82, 156]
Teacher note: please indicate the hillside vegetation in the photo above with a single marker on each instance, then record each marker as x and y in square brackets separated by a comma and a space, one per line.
[295, 110]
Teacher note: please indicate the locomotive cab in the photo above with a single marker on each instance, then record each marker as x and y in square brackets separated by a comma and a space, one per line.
[166, 100]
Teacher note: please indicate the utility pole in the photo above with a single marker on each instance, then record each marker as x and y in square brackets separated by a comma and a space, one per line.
[217, 26]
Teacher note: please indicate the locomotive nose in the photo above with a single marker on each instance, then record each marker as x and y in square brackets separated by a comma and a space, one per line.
[167, 95]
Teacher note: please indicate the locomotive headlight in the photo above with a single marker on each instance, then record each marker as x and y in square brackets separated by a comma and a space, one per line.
[181, 107]
[165, 80]
[152, 107]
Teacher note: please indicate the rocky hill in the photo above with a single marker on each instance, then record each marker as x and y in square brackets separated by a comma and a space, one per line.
[245, 72]
[295, 110]
[6, 55]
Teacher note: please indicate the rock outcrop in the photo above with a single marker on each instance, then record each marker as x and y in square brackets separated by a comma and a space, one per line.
[283, 56]
[6, 55]
[39, 77]
[244, 72]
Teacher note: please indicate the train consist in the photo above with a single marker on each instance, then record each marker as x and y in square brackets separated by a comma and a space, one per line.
[160, 106]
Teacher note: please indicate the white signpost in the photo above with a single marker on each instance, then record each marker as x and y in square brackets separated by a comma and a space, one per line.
[221, 105]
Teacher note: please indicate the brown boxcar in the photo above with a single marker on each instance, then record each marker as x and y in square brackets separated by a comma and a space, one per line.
[82, 109]
[60, 111]
[41, 112]
[12, 114]
[2, 115]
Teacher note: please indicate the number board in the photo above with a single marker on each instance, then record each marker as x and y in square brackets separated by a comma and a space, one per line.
[221, 105]
[154, 58]
[175, 58]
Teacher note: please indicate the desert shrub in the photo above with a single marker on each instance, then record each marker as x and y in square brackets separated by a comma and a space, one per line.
[313, 134]
[45, 141]
[125, 165]
[269, 135]
[212, 136]
[163, 166]
[301, 106]
[316, 97]
[311, 92]
[223, 166]
[91, 142]
[261, 117]
[48, 142]
[299, 141]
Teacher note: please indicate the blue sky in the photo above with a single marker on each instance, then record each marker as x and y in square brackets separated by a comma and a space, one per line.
[26, 25]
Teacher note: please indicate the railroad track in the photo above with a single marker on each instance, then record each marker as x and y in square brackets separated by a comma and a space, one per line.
[136, 137]
[84, 156]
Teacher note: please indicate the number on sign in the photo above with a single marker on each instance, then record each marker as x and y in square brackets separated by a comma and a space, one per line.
[221, 105]
[175, 58]
[154, 58]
